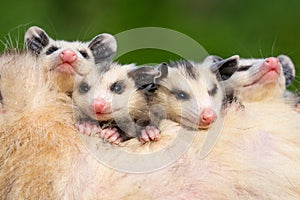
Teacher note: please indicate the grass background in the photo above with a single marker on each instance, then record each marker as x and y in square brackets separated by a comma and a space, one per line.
[223, 27]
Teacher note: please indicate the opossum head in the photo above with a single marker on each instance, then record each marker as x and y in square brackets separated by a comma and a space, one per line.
[190, 93]
[64, 59]
[259, 79]
[113, 91]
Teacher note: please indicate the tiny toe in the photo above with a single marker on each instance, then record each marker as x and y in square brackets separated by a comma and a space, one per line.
[108, 133]
[144, 136]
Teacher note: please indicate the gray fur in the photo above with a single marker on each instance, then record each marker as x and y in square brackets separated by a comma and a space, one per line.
[183, 90]
[129, 112]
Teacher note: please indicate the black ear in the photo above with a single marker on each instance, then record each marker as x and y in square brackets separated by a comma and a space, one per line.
[143, 76]
[162, 72]
[288, 69]
[225, 68]
[212, 59]
[36, 39]
[103, 47]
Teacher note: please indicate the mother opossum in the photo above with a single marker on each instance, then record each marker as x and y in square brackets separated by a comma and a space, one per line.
[43, 157]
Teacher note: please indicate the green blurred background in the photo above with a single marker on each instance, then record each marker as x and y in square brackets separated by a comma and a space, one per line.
[249, 28]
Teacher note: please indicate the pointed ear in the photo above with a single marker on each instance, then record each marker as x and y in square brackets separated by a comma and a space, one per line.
[103, 47]
[212, 59]
[36, 39]
[143, 76]
[225, 68]
[288, 68]
[162, 72]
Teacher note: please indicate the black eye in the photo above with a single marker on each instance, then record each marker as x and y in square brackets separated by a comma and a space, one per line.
[84, 88]
[181, 95]
[51, 50]
[84, 54]
[117, 87]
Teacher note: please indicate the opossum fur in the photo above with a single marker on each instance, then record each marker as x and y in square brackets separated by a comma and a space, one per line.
[251, 160]
[129, 108]
[244, 83]
[185, 88]
[100, 49]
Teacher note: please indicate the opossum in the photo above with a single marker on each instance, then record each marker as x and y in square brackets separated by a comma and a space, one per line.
[42, 157]
[226, 72]
[189, 93]
[239, 88]
[65, 59]
[259, 79]
[254, 79]
[114, 95]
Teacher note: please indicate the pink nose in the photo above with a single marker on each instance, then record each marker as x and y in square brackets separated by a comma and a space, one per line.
[207, 117]
[100, 106]
[68, 56]
[271, 63]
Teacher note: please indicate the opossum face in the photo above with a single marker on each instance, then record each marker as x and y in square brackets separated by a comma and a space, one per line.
[109, 93]
[65, 59]
[257, 79]
[189, 93]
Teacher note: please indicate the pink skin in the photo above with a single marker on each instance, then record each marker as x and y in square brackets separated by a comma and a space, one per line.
[111, 135]
[150, 133]
[68, 58]
[89, 129]
[207, 117]
[271, 67]
[270, 70]
[101, 107]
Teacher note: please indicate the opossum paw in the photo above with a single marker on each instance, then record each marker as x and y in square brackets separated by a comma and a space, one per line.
[150, 133]
[89, 129]
[111, 135]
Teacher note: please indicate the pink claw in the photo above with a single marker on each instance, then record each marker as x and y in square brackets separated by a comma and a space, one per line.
[150, 133]
[111, 135]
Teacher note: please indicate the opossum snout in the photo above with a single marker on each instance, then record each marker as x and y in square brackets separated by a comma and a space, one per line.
[271, 63]
[68, 56]
[207, 117]
[101, 106]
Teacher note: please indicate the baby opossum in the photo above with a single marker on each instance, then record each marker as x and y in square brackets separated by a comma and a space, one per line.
[114, 95]
[258, 79]
[189, 93]
[65, 59]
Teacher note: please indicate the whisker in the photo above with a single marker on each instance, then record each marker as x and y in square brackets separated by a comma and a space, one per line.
[260, 50]
[273, 46]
